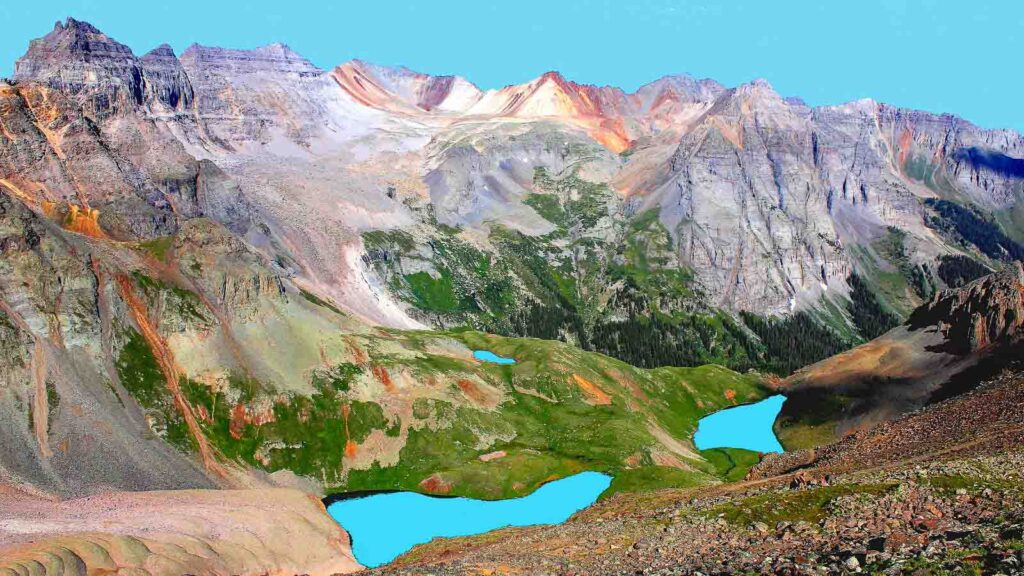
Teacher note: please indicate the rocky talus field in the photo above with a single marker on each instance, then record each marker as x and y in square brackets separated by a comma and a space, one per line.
[233, 283]
[939, 491]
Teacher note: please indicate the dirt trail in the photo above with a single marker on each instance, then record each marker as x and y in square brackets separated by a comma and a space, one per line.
[165, 361]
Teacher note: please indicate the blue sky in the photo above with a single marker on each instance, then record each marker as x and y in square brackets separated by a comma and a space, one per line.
[937, 55]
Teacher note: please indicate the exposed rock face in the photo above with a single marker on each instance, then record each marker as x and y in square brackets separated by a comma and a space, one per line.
[773, 204]
[172, 533]
[59, 314]
[987, 420]
[166, 81]
[768, 197]
[183, 267]
[985, 314]
[946, 348]
[83, 62]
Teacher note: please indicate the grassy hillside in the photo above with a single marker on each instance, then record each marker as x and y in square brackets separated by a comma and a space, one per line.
[413, 410]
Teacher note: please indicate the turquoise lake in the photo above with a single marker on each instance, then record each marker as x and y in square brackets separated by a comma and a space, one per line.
[748, 427]
[488, 356]
[383, 526]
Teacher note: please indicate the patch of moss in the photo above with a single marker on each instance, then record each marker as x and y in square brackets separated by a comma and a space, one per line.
[433, 294]
[799, 436]
[650, 478]
[389, 239]
[731, 464]
[337, 377]
[52, 400]
[546, 425]
[313, 298]
[305, 434]
[948, 484]
[140, 374]
[549, 207]
[159, 248]
[806, 505]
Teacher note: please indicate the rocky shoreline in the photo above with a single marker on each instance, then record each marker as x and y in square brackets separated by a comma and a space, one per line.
[965, 516]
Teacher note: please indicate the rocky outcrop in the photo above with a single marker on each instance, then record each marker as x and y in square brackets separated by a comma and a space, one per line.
[985, 314]
[172, 533]
[773, 204]
[987, 420]
[946, 348]
[166, 83]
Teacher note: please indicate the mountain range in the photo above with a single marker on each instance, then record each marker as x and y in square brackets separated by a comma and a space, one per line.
[231, 269]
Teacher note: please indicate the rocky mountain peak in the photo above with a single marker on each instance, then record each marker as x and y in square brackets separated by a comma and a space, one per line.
[552, 76]
[398, 88]
[167, 85]
[679, 87]
[75, 26]
[77, 58]
[758, 89]
[69, 42]
[161, 51]
[281, 51]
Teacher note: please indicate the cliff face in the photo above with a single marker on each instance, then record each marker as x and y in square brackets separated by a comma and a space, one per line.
[168, 87]
[984, 315]
[419, 201]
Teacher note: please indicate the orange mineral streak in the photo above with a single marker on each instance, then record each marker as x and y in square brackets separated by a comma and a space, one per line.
[730, 132]
[351, 448]
[165, 361]
[381, 373]
[84, 221]
[472, 391]
[359, 356]
[906, 140]
[610, 139]
[20, 194]
[593, 393]
[45, 116]
[38, 369]
[435, 484]
[237, 425]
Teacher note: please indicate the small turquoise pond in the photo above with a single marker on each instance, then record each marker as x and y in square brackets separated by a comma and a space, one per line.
[383, 526]
[748, 427]
[488, 356]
